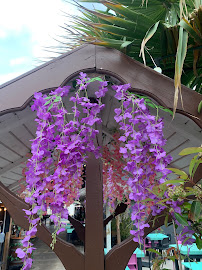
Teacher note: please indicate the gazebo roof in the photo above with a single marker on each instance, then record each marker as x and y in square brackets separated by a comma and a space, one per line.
[17, 120]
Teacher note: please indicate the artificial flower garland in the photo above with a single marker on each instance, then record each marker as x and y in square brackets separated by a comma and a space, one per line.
[60, 149]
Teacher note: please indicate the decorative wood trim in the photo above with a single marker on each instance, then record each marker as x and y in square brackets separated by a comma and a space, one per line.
[91, 58]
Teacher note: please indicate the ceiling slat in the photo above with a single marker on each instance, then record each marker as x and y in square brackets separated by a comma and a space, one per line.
[28, 130]
[181, 144]
[19, 140]
[13, 165]
[169, 137]
[12, 120]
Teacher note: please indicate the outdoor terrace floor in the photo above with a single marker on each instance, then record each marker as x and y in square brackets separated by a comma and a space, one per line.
[45, 259]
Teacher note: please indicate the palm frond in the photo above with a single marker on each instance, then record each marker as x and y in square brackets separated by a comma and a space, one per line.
[173, 41]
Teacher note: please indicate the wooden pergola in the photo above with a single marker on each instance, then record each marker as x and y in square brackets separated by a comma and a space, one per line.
[17, 128]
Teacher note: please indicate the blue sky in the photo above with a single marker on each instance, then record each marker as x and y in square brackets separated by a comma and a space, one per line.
[26, 27]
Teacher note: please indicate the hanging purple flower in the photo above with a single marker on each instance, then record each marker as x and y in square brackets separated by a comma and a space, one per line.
[60, 150]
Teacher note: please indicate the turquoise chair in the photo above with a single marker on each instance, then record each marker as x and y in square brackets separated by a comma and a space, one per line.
[68, 226]
[69, 233]
[70, 230]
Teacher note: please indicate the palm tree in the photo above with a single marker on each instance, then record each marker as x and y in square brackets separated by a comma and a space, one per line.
[166, 33]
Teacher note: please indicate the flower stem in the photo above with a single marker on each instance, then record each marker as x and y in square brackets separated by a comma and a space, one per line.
[178, 250]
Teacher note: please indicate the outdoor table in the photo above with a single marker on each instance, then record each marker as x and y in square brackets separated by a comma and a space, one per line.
[190, 251]
[193, 265]
[156, 237]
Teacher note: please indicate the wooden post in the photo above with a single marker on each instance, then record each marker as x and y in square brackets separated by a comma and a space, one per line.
[94, 232]
[6, 247]
[118, 232]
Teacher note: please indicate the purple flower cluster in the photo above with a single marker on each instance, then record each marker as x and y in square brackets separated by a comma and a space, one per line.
[59, 152]
[143, 141]
[186, 235]
[61, 148]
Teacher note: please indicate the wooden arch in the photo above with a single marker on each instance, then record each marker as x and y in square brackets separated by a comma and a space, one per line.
[17, 94]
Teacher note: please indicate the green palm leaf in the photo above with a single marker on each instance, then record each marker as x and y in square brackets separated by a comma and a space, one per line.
[180, 56]
[127, 24]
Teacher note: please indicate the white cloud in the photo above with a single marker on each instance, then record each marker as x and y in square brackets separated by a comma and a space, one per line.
[41, 18]
[2, 34]
[18, 61]
[9, 76]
